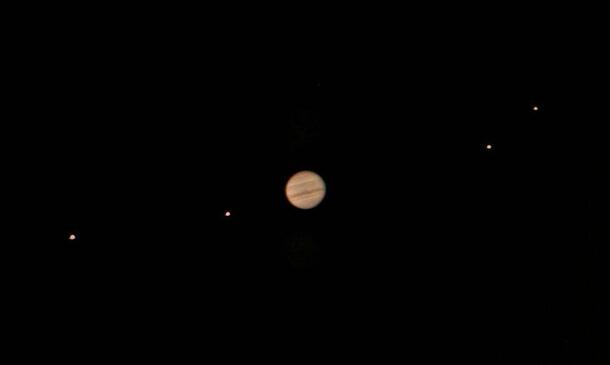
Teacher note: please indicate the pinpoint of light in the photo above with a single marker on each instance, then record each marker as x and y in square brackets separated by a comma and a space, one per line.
[227, 213]
[305, 190]
[488, 147]
[535, 108]
[72, 237]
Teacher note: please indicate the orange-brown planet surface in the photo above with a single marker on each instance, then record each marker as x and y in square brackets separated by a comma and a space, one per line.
[305, 190]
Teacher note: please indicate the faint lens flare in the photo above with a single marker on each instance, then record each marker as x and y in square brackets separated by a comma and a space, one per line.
[305, 190]
[303, 252]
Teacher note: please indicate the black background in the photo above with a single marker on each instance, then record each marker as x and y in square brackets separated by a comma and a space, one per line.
[136, 132]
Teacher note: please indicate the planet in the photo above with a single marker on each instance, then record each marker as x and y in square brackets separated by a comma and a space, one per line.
[305, 190]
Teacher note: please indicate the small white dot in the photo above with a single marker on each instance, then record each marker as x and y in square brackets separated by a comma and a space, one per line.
[488, 146]
[535, 108]
[227, 214]
[72, 237]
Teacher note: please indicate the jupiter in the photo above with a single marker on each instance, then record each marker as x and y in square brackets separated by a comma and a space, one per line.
[305, 190]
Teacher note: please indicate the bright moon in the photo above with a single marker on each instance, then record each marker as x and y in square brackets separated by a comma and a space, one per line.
[305, 190]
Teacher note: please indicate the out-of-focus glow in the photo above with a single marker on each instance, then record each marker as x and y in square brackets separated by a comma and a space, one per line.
[227, 213]
[305, 190]
[72, 237]
[489, 147]
[303, 252]
[535, 108]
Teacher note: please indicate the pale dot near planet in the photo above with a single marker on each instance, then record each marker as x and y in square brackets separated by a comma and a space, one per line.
[305, 190]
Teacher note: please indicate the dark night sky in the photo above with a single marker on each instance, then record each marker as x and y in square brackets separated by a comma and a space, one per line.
[137, 136]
